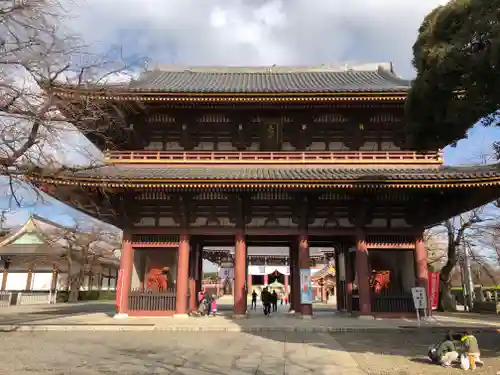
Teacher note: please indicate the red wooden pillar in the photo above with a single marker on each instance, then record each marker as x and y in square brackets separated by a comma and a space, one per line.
[323, 292]
[240, 261]
[181, 292]
[266, 279]
[363, 274]
[305, 308]
[124, 275]
[421, 266]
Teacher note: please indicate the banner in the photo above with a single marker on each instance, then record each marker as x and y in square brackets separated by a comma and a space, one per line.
[433, 290]
[306, 295]
[226, 273]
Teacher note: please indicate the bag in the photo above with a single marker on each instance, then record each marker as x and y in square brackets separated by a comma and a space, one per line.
[464, 362]
[432, 353]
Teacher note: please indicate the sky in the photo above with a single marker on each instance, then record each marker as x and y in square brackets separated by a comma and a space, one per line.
[256, 33]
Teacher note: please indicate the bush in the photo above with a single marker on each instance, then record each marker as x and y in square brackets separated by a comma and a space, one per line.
[95, 295]
[89, 295]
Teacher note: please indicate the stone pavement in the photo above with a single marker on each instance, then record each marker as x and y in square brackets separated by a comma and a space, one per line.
[99, 316]
[113, 353]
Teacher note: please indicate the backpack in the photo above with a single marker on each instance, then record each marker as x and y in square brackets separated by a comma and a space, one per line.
[433, 353]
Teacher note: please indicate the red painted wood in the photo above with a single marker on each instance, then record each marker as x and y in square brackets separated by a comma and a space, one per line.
[249, 157]
[182, 275]
[422, 272]
[151, 313]
[363, 276]
[125, 274]
[240, 262]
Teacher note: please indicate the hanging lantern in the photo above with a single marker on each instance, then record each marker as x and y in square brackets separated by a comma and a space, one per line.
[227, 262]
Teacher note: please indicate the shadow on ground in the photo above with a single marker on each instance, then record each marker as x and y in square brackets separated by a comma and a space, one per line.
[36, 313]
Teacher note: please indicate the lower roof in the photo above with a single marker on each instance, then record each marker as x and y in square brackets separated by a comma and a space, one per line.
[138, 176]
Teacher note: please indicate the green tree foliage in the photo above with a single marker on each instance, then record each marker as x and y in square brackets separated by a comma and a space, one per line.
[457, 59]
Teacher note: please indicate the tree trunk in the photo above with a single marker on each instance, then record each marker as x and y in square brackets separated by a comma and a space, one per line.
[446, 300]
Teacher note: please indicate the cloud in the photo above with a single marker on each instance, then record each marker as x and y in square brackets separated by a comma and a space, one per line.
[256, 32]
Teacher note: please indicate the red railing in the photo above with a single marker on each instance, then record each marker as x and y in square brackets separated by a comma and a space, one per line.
[280, 157]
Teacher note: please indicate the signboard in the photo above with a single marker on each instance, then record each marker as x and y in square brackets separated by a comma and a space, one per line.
[420, 301]
[433, 290]
[306, 296]
[419, 298]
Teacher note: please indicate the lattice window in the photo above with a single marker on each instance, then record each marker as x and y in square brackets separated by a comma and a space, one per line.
[160, 118]
[384, 118]
[330, 118]
[155, 238]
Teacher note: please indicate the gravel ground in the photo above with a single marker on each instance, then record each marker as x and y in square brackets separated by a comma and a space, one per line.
[405, 353]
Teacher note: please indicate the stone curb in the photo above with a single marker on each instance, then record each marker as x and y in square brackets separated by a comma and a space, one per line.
[139, 328]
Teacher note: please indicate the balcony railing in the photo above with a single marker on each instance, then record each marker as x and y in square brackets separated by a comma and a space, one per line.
[280, 157]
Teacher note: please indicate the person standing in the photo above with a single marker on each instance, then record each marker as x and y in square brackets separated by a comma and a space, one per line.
[254, 300]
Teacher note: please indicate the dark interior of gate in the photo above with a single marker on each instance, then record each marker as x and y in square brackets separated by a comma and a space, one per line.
[270, 263]
[303, 158]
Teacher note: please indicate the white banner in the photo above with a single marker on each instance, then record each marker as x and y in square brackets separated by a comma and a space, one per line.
[226, 273]
[267, 270]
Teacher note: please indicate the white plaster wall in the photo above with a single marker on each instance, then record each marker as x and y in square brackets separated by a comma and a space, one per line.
[16, 281]
[41, 281]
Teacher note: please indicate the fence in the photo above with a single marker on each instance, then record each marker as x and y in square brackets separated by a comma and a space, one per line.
[153, 300]
[5, 298]
[28, 298]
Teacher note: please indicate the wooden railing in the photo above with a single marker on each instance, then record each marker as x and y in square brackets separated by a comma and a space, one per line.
[149, 300]
[280, 157]
[387, 302]
[393, 304]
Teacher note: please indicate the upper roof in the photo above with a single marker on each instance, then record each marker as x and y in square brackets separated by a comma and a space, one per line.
[273, 79]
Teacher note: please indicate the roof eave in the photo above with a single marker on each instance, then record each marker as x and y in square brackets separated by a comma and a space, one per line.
[396, 94]
[310, 184]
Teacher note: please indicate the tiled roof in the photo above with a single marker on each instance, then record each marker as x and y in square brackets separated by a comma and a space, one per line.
[124, 173]
[375, 78]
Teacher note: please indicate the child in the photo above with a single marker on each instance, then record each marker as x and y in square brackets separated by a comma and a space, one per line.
[213, 306]
[471, 349]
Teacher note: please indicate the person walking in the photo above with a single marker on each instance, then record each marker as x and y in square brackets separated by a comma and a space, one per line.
[274, 300]
[265, 297]
[254, 300]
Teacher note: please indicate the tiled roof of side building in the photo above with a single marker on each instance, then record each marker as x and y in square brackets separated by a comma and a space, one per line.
[274, 79]
[127, 173]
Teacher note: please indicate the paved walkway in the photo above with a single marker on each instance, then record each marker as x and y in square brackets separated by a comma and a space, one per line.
[99, 316]
[113, 353]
